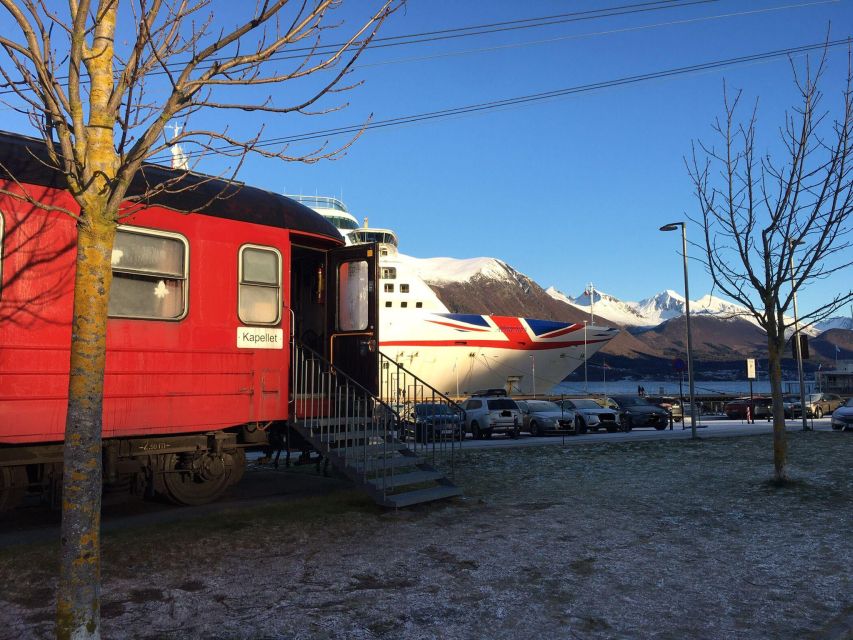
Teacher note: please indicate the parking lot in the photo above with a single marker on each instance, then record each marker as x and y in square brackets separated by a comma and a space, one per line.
[707, 427]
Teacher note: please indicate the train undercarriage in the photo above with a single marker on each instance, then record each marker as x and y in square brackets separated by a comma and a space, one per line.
[184, 469]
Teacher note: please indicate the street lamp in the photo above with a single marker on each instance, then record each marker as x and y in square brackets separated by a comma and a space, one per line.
[585, 380]
[673, 226]
[798, 347]
[533, 372]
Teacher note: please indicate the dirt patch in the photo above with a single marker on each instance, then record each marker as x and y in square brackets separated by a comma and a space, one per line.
[659, 539]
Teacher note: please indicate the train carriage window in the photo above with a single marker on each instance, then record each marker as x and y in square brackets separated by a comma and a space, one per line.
[260, 285]
[149, 275]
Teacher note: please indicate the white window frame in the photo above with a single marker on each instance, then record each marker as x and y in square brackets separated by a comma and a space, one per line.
[240, 283]
[145, 231]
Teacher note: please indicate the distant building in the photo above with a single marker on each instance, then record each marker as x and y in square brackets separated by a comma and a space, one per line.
[838, 380]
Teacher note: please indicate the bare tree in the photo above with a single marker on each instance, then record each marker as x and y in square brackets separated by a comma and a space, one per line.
[758, 211]
[100, 80]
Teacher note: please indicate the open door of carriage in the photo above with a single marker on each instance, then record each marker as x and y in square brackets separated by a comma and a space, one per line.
[352, 306]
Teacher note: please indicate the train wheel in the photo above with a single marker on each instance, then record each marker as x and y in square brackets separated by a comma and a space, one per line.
[193, 479]
[13, 487]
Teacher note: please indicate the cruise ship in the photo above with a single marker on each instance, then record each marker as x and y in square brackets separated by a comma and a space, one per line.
[459, 353]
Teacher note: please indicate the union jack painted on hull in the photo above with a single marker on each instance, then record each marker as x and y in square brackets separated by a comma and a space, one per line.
[459, 353]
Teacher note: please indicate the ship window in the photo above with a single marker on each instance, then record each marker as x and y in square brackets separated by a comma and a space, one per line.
[353, 282]
[419, 305]
[387, 303]
[404, 288]
[388, 273]
[383, 252]
[149, 275]
[389, 288]
[260, 285]
[404, 304]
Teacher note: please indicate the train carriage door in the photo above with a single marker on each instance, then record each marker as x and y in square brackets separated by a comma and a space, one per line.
[352, 308]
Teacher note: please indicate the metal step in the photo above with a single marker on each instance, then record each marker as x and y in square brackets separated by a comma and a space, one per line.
[421, 495]
[338, 436]
[403, 479]
[372, 450]
[397, 462]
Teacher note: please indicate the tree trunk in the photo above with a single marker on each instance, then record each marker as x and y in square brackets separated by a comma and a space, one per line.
[78, 597]
[780, 441]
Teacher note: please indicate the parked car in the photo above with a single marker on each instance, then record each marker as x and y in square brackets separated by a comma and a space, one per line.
[431, 421]
[485, 415]
[791, 405]
[821, 404]
[591, 414]
[541, 417]
[761, 408]
[638, 412]
[842, 417]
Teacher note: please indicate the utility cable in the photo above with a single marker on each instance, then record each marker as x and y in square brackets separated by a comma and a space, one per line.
[451, 33]
[525, 99]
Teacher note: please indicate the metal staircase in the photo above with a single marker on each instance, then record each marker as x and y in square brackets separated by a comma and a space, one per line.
[377, 443]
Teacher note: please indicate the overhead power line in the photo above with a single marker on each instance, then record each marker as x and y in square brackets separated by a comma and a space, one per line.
[450, 33]
[525, 99]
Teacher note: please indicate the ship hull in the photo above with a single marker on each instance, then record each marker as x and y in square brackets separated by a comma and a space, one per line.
[461, 353]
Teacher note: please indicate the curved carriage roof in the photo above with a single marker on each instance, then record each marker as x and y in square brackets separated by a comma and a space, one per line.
[25, 159]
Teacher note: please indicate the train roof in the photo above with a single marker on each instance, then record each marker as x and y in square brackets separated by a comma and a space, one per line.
[25, 160]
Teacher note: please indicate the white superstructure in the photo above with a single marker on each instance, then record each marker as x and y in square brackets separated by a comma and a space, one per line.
[459, 353]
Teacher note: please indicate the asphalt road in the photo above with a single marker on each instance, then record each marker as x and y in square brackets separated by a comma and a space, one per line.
[707, 427]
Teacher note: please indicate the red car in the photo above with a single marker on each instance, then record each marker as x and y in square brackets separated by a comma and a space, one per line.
[761, 408]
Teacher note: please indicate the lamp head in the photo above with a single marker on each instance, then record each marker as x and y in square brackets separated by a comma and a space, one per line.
[672, 226]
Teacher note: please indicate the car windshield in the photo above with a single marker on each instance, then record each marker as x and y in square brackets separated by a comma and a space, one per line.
[790, 398]
[631, 400]
[432, 410]
[502, 403]
[585, 403]
[849, 403]
[543, 405]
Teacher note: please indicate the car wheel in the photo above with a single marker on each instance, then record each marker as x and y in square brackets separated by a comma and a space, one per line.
[626, 424]
[487, 434]
[580, 425]
[475, 431]
[661, 427]
[534, 429]
[837, 427]
[515, 433]
[612, 428]
[818, 413]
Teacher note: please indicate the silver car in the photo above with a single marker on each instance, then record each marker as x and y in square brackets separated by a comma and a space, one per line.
[592, 415]
[842, 417]
[540, 417]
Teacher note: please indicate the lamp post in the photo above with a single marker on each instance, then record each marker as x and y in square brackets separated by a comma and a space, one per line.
[798, 347]
[533, 372]
[585, 379]
[673, 226]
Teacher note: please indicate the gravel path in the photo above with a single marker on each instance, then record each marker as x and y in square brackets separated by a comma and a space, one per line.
[672, 539]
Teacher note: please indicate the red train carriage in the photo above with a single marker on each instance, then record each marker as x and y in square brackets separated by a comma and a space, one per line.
[210, 284]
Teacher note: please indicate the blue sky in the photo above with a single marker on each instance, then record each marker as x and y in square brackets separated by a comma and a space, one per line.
[574, 189]
[569, 190]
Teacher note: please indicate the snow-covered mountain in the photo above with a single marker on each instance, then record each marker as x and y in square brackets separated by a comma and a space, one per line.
[647, 313]
[650, 312]
[838, 322]
[444, 270]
